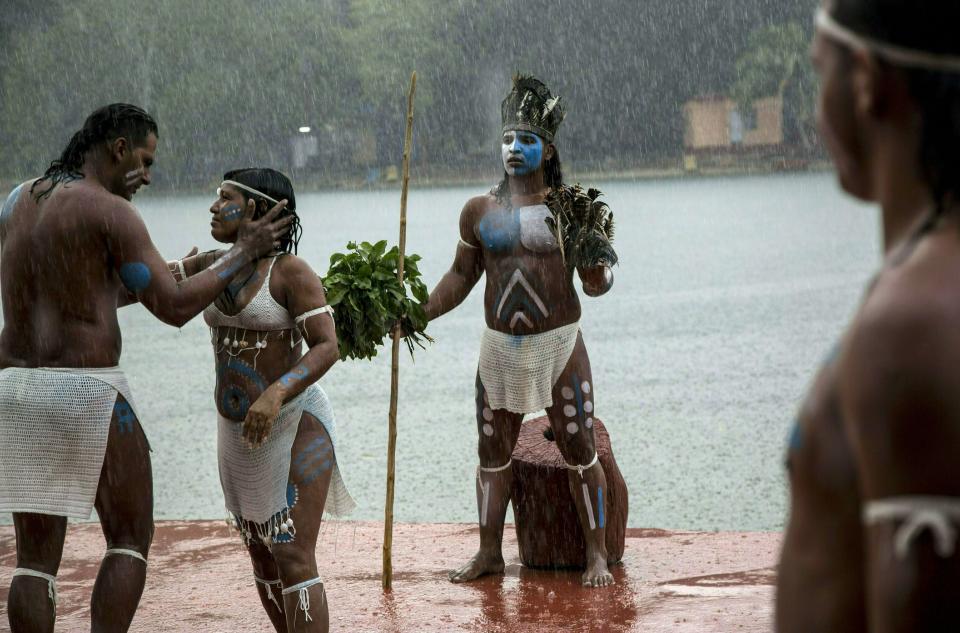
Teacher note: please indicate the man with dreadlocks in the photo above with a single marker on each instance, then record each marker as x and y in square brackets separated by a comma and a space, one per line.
[276, 435]
[529, 235]
[871, 544]
[72, 248]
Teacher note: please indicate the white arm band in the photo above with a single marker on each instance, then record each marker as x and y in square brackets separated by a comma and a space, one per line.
[312, 313]
[918, 513]
[468, 244]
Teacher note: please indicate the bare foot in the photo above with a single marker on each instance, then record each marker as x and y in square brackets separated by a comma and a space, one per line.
[597, 574]
[481, 564]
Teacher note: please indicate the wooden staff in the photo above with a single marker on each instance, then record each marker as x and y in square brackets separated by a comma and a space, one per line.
[387, 578]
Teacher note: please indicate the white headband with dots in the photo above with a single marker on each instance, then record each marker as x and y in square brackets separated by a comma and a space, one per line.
[234, 183]
[898, 55]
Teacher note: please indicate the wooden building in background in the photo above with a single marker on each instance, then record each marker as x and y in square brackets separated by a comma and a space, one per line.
[715, 124]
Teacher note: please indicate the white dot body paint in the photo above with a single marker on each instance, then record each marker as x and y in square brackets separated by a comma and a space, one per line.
[487, 430]
[569, 410]
[487, 414]
[588, 406]
[589, 423]
[567, 393]
[585, 387]
[572, 428]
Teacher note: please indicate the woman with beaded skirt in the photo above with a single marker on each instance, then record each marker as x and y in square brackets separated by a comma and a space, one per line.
[276, 431]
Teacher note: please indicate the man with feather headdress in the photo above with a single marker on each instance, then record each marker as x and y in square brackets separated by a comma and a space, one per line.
[529, 234]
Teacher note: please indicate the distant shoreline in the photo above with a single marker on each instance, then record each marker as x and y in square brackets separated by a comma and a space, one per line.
[425, 181]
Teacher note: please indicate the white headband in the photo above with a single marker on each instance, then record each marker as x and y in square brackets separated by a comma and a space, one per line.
[896, 54]
[238, 185]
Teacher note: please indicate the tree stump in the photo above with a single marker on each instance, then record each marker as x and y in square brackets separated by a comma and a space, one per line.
[548, 529]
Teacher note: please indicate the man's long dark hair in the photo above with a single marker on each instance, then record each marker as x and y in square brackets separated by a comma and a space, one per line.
[925, 25]
[276, 185]
[552, 177]
[104, 125]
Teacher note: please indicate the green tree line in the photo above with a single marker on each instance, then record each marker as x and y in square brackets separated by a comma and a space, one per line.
[231, 82]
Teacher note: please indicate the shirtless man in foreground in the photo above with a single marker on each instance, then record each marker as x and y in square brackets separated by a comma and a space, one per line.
[874, 473]
[73, 248]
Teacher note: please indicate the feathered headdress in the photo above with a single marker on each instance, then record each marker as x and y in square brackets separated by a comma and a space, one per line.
[531, 107]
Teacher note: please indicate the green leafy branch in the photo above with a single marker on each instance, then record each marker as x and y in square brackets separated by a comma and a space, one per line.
[369, 300]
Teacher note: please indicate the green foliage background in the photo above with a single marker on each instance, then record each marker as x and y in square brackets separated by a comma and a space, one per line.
[231, 81]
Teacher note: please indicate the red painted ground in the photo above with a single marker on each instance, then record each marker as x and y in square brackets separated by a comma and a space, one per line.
[200, 581]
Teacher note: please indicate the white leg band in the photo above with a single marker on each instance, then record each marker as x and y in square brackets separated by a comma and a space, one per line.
[268, 584]
[125, 552]
[304, 597]
[51, 581]
[579, 468]
[485, 488]
[495, 469]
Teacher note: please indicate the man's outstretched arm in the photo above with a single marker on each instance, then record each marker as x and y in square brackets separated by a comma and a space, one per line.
[145, 274]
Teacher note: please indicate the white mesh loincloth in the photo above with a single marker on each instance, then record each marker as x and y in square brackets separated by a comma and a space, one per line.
[54, 424]
[518, 371]
[255, 480]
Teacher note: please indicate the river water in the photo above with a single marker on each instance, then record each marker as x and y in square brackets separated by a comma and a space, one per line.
[729, 293]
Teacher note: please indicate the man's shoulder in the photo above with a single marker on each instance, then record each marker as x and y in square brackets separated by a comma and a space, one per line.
[904, 343]
[482, 202]
[476, 207]
[916, 299]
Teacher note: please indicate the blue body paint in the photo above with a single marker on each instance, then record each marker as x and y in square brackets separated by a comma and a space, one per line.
[231, 212]
[500, 230]
[796, 437]
[10, 203]
[125, 416]
[235, 403]
[531, 153]
[245, 370]
[230, 270]
[135, 276]
[294, 375]
[600, 506]
[314, 460]
[579, 394]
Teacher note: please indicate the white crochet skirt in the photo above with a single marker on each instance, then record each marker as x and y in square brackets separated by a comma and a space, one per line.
[54, 424]
[255, 481]
[518, 372]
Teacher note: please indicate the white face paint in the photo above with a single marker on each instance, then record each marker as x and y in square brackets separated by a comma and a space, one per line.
[133, 177]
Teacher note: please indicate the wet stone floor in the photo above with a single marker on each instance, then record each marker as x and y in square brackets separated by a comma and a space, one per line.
[200, 580]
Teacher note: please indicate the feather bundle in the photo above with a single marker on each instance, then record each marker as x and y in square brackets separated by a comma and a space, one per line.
[583, 225]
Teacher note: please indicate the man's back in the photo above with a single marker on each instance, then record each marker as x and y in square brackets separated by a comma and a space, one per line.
[59, 287]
